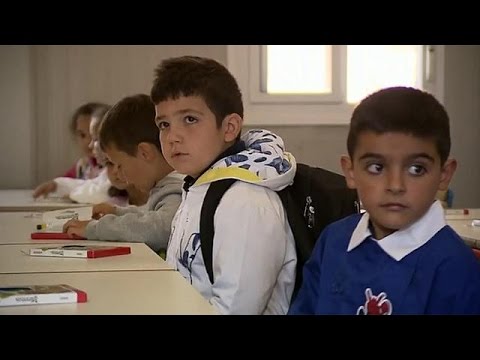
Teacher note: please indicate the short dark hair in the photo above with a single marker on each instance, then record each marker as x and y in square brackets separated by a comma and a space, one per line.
[197, 76]
[86, 109]
[405, 110]
[128, 123]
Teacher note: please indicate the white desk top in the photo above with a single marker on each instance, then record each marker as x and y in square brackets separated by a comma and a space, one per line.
[16, 227]
[13, 260]
[123, 293]
[469, 233]
[459, 214]
[22, 200]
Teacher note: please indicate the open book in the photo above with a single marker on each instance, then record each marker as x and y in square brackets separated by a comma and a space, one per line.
[40, 294]
[79, 251]
[54, 220]
[52, 223]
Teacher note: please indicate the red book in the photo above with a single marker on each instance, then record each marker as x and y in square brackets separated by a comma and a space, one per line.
[41, 294]
[54, 236]
[79, 251]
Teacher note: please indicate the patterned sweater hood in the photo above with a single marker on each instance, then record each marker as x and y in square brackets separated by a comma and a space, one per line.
[264, 162]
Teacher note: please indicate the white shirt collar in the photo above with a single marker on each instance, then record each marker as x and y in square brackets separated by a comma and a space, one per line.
[402, 242]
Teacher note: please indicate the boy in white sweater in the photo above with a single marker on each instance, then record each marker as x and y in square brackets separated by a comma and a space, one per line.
[199, 112]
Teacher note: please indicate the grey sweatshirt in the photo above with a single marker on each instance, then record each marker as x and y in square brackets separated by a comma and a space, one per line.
[150, 224]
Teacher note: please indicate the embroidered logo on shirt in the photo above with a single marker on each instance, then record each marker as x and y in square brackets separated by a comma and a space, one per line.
[375, 304]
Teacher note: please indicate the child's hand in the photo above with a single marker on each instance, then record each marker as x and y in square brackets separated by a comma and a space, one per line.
[102, 209]
[45, 189]
[75, 227]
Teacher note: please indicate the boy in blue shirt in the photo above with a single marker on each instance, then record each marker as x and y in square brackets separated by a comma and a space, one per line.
[399, 257]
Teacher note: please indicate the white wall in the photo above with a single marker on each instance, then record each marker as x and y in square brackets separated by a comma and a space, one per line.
[40, 86]
[68, 76]
[16, 122]
[462, 101]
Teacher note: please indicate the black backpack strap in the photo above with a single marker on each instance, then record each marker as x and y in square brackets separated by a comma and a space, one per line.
[304, 242]
[210, 202]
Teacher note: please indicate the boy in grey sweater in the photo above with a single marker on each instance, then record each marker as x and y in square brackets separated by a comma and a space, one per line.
[129, 138]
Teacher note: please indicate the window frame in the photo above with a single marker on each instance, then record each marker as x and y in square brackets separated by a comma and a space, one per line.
[258, 63]
[245, 63]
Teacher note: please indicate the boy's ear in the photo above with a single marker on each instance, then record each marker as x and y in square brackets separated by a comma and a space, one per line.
[145, 151]
[448, 169]
[232, 126]
[347, 167]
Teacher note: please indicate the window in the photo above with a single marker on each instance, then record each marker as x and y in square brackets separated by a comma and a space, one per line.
[321, 84]
[309, 69]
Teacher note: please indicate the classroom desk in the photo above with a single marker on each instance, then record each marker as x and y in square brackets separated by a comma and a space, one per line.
[470, 234]
[119, 292]
[457, 214]
[14, 261]
[22, 200]
[16, 227]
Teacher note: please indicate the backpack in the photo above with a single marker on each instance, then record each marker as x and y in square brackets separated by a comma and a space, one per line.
[316, 198]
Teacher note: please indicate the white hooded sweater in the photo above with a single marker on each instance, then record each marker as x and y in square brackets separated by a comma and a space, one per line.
[254, 254]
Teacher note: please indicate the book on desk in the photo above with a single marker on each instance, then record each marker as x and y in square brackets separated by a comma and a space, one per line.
[41, 294]
[80, 251]
[53, 235]
[53, 221]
